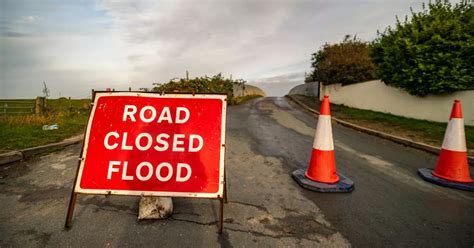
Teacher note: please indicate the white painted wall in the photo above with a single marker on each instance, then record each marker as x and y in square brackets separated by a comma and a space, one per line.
[376, 96]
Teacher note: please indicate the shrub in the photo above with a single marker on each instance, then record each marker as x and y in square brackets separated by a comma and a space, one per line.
[432, 53]
[347, 62]
[215, 84]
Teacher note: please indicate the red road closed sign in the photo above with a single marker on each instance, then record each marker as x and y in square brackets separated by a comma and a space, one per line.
[151, 144]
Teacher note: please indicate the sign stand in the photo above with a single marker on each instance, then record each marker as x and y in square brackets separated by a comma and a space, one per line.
[222, 200]
[72, 201]
[70, 210]
[72, 204]
[221, 217]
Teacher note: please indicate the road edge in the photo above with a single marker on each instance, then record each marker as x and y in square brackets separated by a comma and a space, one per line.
[393, 138]
[14, 156]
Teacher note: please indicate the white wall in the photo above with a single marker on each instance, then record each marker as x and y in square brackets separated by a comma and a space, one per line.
[238, 89]
[376, 96]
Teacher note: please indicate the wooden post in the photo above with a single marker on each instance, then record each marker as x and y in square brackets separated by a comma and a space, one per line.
[39, 105]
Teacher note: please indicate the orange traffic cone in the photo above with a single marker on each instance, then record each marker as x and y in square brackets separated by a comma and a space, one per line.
[452, 169]
[321, 174]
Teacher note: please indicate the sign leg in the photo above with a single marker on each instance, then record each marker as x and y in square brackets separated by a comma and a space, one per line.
[225, 188]
[221, 213]
[72, 201]
[70, 210]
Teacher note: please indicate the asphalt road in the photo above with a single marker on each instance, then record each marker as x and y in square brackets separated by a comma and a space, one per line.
[267, 139]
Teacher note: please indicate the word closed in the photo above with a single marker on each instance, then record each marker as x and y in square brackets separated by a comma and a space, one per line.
[149, 144]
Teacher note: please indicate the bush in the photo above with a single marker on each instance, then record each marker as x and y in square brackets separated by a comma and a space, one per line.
[432, 53]
[347, 62]
[215, 84]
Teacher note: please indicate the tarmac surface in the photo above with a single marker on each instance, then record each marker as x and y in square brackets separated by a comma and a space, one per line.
[267, 139]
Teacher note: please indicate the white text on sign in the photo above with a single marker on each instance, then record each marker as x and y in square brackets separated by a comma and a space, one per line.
[161, 142]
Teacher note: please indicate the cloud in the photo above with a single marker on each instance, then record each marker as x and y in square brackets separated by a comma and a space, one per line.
[21, 27]
[136, 43]
[246, 38]
[12, 34]
[29, 19]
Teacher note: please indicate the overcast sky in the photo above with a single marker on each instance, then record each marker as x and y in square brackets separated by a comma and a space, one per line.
[75, 46]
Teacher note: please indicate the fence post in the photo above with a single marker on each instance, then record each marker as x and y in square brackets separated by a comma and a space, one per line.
[39, 105]
[92, 95]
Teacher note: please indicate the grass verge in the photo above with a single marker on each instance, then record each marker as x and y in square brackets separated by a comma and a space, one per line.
[427, 132]
[24, 131]
[243, 99]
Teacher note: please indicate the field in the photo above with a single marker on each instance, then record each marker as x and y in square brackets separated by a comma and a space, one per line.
[19, 131]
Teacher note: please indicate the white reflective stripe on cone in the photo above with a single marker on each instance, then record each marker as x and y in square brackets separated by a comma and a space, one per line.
[323, 139]
[454, 139]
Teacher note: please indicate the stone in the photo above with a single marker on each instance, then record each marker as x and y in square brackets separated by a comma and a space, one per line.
[154, 207]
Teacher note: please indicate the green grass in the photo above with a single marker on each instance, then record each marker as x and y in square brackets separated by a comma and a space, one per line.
[243, 99]
[419, 130]
[23, 131]
[64, 104]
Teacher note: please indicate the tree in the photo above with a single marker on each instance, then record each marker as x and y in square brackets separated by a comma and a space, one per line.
[430, 53]
[346, 62]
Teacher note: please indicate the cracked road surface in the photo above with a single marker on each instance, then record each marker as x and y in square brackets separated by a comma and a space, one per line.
[267, 139]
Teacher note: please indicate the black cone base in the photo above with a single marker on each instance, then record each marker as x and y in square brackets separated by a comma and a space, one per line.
[427, 175]
[344, 185]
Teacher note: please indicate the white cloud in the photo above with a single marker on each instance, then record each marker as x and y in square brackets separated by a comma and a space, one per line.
[29, 19]
[118, 44]
[279, 85]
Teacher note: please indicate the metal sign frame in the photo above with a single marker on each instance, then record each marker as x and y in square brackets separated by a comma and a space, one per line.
[221, 194]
